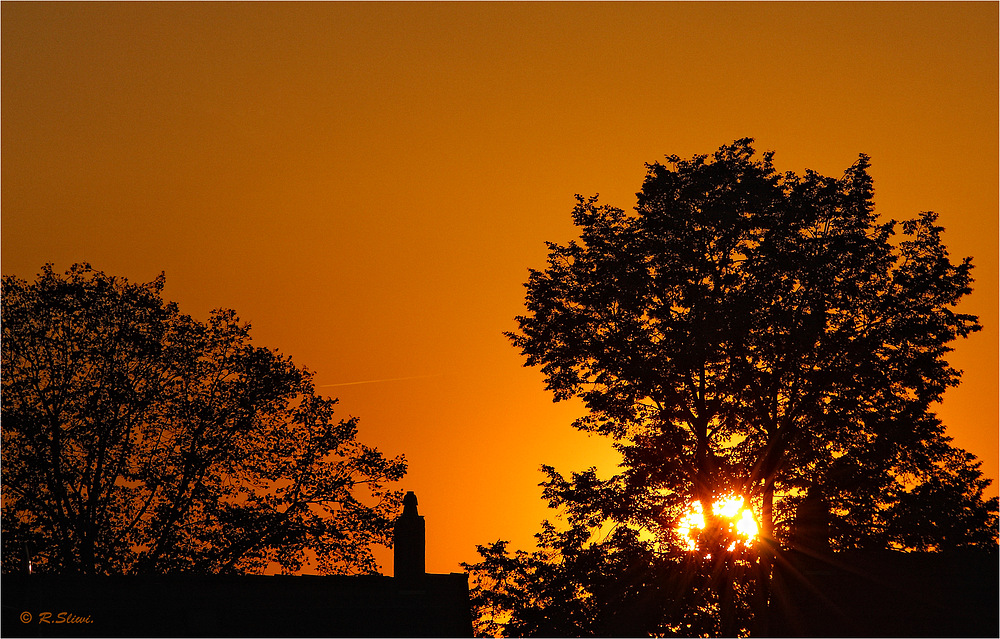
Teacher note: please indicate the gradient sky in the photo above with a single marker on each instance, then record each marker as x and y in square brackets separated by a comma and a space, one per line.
[367, 184]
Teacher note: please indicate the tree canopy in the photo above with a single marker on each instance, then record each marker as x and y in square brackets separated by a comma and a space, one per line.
[137, 439]
[747, 332]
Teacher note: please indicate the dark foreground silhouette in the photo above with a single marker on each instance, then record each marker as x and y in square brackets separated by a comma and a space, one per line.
[885, 594]
[235, 606]
[410, 604]
[816, 593]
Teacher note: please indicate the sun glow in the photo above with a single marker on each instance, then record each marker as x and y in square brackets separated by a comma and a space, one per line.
[690, 524]
[729, 511]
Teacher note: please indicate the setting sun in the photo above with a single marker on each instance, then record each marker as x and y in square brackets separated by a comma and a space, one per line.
[738, 521]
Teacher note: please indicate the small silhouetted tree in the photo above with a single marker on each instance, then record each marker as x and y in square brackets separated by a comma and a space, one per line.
[137, 439]
[745, 331]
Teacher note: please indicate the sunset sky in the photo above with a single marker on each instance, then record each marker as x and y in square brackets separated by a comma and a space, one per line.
[368, 184]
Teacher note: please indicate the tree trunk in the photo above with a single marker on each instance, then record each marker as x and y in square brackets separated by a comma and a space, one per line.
[765, 561]
[727, 599]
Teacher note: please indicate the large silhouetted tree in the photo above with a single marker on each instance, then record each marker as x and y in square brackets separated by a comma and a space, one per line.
[745, 331]
[139, 440]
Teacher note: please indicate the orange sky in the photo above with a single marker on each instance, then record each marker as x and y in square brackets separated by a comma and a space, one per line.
[367, 184]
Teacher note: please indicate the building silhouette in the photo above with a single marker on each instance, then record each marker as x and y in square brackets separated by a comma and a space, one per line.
[816, 592]
[881, 593]
[409, 604]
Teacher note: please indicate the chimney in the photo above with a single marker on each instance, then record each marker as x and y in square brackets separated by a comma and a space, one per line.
[811, 531]
[408, 541]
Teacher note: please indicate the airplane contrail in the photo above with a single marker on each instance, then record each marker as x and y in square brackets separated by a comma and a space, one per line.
[376, 381]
